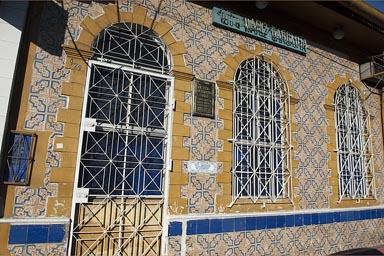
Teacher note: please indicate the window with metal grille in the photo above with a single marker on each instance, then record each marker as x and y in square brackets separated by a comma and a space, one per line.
[261, 133]
[134, 45]
[20, 152]
[126, 114]
[354, 149]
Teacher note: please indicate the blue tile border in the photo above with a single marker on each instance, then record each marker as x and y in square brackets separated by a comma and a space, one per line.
[175, 229]
[219, 225]
[32, 234]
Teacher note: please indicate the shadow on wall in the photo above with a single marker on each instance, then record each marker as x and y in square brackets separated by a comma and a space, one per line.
[51, 30]
[45, 27]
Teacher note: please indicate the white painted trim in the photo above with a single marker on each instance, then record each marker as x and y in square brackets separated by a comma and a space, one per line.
[34, 221]
[167, 162]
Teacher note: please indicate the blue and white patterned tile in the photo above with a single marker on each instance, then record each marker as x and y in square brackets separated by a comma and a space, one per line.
[30, 202]
[201, 192]
[174, 245]
[17, 249]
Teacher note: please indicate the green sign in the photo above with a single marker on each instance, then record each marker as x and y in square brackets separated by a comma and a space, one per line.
[258, 30]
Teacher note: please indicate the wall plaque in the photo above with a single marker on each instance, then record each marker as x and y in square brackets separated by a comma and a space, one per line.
[202, 167]
[203, 98]
[259, 30]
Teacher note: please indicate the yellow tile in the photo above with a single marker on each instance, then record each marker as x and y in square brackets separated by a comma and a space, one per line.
[139, 15]
[68, 159]
[179, 95]
[62, 175]
[178, 118]
[180, 154]
[181, 130]
[4, 227]
[65, 190]
[178, 178]
[78, 76]
[62, 144]
[174, 190]
[177, 206]
[176, 166]
[126, 16]
[183, 107]
[227, 146]
[224, 178]
[71, 130]
[162, 27]
[72, 89]
[231, 62]
[225, 114]
[177, 141]
[182, 85]
[225, 156]
[75, 103]
[89, 25]
[178, 48]
[225, 94]
[69, 116]
[59, 207]
[225, 134]
[87, 36]
[227, 166]
[111, 13]
[101, 22]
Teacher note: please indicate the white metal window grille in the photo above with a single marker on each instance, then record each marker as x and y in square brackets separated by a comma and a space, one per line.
[134, 45]
[354, 148]
[261, 129]
[124, 145]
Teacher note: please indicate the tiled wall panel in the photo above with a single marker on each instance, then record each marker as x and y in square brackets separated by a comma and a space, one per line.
[207, 47]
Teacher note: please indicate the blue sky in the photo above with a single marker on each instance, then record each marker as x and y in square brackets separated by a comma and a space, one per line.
[378, 4]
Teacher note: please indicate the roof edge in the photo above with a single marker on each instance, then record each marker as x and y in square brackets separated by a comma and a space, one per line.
[365, 10]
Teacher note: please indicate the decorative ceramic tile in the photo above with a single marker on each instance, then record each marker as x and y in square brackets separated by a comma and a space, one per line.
[203, 143]
[30, 202]
[174, 245]
[44, 100]
[17, 249]
[201, 191]
[46, 249]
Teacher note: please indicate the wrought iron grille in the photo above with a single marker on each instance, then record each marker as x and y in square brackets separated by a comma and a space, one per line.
[354, 148]
[261, 130]
[133, 44]
[124, 145]
[124, 153]
[21, 148]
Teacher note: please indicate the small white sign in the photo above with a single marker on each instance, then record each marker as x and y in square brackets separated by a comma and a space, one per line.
[202, 167]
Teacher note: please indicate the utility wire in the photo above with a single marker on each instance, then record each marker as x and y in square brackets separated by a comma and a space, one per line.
[156, 13]
[73, 40]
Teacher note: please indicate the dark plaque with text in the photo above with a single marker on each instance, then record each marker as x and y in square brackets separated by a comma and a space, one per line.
[204, 98]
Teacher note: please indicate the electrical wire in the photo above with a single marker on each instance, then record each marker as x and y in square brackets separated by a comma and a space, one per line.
[73, 40]
[156, 13]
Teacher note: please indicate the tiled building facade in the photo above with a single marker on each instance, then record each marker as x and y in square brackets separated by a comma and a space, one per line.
[201, 217]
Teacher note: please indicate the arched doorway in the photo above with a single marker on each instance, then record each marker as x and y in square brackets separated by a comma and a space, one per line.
[123, 145]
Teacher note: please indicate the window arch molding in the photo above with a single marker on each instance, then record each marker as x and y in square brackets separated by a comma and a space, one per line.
[226, 91]
[344, 186]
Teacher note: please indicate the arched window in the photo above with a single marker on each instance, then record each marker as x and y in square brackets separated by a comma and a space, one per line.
[354, 156]
[261, 133]
[124, 144]
[133, 45]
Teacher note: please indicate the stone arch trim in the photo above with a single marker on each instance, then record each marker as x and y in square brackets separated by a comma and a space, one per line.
[90, 28]
[329, 107]
[225, 85]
